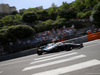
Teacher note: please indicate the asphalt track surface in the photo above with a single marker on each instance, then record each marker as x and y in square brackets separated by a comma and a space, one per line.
[84, 61]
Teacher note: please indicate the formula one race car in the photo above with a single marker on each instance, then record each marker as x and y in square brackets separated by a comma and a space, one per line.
[60, 46]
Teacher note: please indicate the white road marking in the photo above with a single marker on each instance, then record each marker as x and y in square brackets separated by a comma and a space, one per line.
[71, 68]
[22, 61]
[54, 62]
[52, 55]
[54, 58]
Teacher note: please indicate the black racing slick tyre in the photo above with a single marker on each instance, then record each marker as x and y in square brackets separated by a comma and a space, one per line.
[39, 52]
[68, 48]
[81, 45]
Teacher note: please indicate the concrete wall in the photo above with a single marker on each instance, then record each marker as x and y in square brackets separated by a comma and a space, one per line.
[34, 50]
[20, 54]
[78, 40]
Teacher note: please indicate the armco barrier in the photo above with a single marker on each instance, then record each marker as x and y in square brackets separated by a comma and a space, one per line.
[82, 39]
[78, 40]
[20, 54]
[85, 38]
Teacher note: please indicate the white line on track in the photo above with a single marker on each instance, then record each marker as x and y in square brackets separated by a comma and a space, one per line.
[71, 68]
[54, 62]
[52, 55]
[54, 58]
[18, 61]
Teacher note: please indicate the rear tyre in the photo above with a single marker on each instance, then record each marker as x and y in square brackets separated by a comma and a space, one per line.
[81, 46]
[68, 48]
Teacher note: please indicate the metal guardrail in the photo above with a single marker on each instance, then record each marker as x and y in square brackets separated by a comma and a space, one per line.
[34, 50]
[19, 54]
[78, 40]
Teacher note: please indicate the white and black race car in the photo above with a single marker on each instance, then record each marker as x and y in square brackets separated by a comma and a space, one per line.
[54, 47]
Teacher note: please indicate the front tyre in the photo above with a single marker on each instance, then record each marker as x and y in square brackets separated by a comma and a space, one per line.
[39, 52]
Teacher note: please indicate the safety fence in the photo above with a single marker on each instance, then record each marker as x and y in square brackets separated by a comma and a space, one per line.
[85, 38]
[82, 39]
